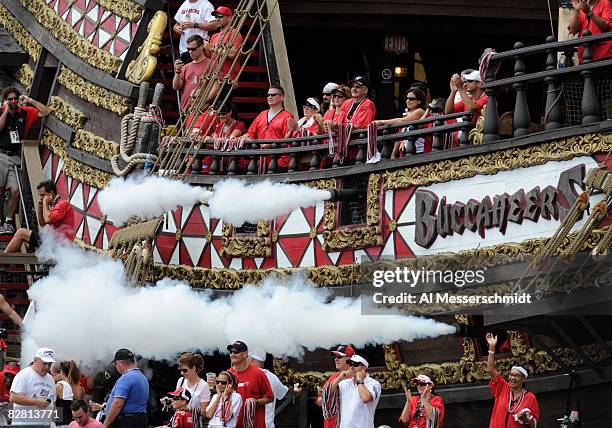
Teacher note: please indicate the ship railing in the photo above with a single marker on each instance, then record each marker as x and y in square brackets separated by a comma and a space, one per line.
[311, 153]
[575, 94]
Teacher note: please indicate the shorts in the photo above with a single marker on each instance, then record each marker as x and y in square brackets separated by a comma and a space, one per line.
[8, 178]
[34, 243]
[131, 420]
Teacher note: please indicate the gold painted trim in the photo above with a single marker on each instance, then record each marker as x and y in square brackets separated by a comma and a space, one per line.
[124, 8]
[98, 146]
[70, 38]
[503, 160]
[25, 75]
[19, 33]
[92, 93]
[142, 68]
[246, 246]
[67, 113]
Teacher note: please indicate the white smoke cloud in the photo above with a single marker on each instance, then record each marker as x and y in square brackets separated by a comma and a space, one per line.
[146, 197]
[237, 202]
[85, 312]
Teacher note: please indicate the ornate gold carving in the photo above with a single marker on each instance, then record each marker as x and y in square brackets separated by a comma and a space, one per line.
[70, 38]
[360, 236]
[517, 344]
[313, 233]
[91, 143]
[476, 135]
[246, 246]
[77, 170]
[94, 94]
[125, 8]
[141, 69]
[25, 75]
[462, 319]
[67, 112]
[502, 160]
[392, 225]
[19, 33]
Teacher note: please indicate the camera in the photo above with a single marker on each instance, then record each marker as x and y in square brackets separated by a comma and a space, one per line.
[167, 401]
[437, 105]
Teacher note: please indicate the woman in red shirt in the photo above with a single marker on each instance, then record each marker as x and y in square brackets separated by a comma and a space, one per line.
[425, 410]
[339, 96]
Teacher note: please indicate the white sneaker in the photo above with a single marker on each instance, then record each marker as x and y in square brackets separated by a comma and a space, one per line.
[7, 229]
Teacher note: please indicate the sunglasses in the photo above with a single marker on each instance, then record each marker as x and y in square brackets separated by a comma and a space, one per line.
[221, 382]
[411, 99]
[13, 99]
[338, 96]
[307, 106]
[274, 95]
[193, 49]
[183, 370]
[356, 364]
[235, 351]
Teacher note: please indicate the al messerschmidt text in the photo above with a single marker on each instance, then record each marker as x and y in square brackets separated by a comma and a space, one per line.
[430, 298]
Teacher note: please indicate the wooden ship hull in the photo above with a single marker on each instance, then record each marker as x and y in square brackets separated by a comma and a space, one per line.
[500, 195]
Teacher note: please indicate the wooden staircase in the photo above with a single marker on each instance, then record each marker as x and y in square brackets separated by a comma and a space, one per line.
[249, 98]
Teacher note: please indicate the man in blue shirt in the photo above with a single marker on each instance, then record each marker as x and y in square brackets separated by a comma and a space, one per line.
[127, 405]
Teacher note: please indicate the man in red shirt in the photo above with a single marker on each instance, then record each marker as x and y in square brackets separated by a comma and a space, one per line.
[596, 16]
[17, 114]
[359, 111]
[52, 211]
[514, 406]
[253, 387]
[342, 355]
[271, 124]
[187, 76]
[472, 97]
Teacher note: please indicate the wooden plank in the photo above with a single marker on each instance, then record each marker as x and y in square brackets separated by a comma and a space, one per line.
[31, 156]
[19, 259]
[11, 53]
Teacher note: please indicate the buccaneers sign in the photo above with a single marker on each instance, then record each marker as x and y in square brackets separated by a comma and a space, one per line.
[437, 217]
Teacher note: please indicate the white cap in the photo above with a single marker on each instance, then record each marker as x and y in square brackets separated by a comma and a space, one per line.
[329, 87]
[423, 378]
[45, 354]
[359, 359]
[474, 75]
[257, 354]
[313, 102]
[521, 370]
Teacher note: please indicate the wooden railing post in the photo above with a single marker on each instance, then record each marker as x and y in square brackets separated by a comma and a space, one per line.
[387, 146]
[253, 164]
[491, 121]
[590, 105]
[436, 143]
[464, 140]
[293, 163]
[361, 154]
[233, 166]
[273, 165]
[553, 114]
[520, 119]
[215, 166]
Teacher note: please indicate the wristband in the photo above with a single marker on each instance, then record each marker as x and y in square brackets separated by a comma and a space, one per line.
[196, 25]
[491, 352]
[359, 382]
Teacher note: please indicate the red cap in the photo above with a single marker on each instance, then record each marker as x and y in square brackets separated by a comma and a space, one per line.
[223, 10]
[181, 394]
[343, 351]
[11, 369]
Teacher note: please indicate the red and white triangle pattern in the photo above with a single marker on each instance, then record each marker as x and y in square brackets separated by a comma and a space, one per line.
[96, 24]
[294, 248]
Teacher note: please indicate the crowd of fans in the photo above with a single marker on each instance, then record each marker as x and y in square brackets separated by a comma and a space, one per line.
[242, 396]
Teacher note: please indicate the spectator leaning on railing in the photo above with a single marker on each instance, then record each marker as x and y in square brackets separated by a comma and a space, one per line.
[596, 16]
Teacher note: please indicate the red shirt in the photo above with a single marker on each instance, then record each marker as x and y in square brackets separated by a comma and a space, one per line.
[331, 423]
[361, 117]
[501, 417]
[480, 103]
[331, 115]
[190, 75]
[225, 37]
[276, 129]
[603, 49]
[182, 419]
[237, 124]
[421, 422]
[253, 383]
[62, 219]
[4, 391]
[31, 116]
[203, 123]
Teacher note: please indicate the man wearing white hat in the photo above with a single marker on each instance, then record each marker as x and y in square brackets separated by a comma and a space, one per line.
[33, 391]
[514, 406]
[359, 395]
[472, 97]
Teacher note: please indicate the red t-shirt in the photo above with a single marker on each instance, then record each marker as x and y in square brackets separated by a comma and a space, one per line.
[30, 119]
[237, 124]
[361, 117]
[421, 422]
[253, 383]
[62, 219]
[276, 129]
[182, 419]
[190, 75]
[225, 37]
[603, 49]
[331, 115]
[480, 103]
[203, 123]
[501, 417]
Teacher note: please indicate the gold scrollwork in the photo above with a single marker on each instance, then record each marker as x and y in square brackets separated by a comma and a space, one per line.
[502, 160]
[246, 246]
[355, 237]
[67, 112]
[476, 135]
[19, 33]
[141, 69]
[91, 143]
[517, 343]
[125, 8]
[54, 143]
[25, 75]
[70, 38]
[94, 94]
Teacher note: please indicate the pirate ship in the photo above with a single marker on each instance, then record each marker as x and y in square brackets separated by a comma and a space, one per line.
[530, 181]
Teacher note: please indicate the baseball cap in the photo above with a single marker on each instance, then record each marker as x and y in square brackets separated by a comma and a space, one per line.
[343, 351]
[474, 76]
[355, 360]
[238, 346]
[422, 378]
[362, 80]
[45, 354]
[181, 394]
[12, 369]
[329, 87]
[123, 354]
[222, 10]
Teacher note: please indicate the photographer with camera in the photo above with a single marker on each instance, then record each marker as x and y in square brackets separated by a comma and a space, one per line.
[225, 406]
[178, 401]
